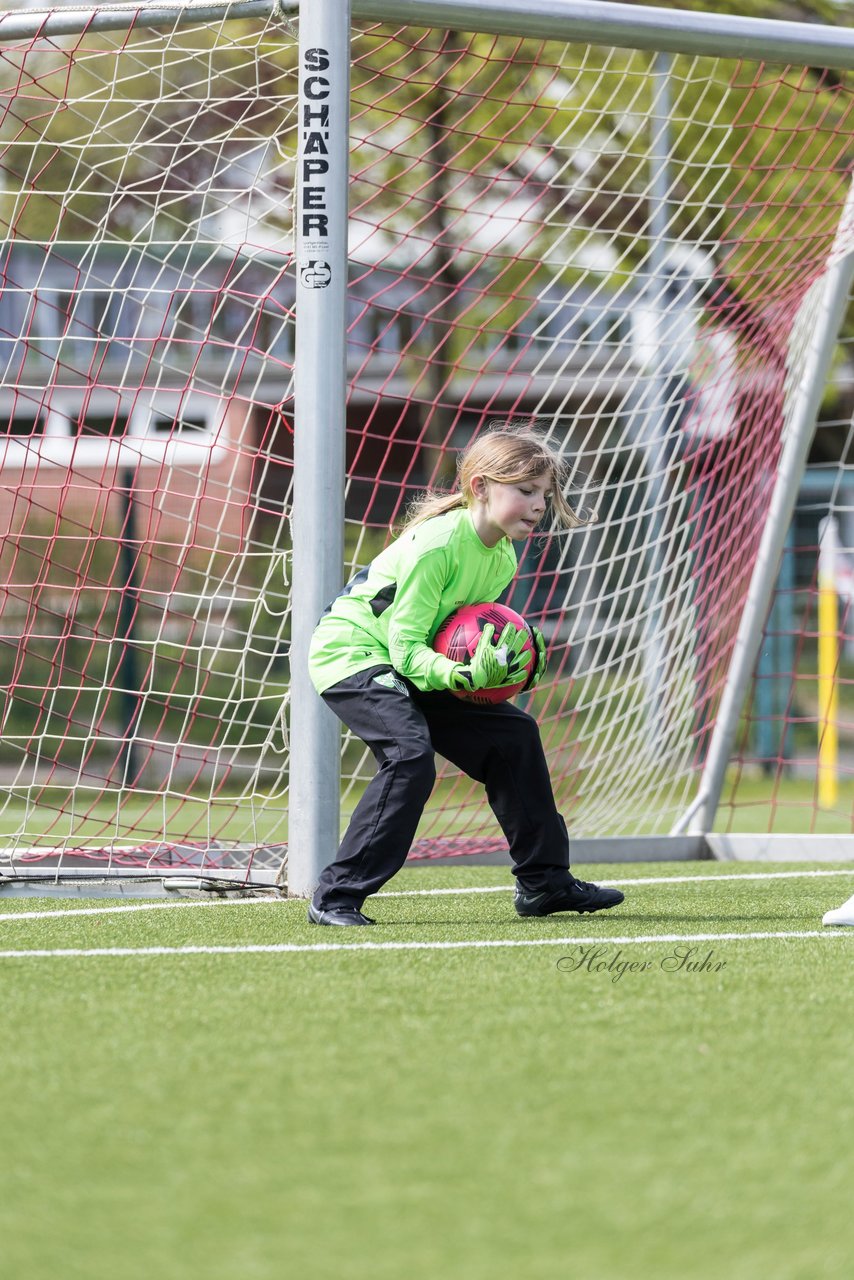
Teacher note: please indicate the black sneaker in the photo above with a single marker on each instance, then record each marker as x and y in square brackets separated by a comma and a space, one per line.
[573, 895]
[336, 915]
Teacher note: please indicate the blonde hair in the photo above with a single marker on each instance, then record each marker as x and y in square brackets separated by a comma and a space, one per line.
[506, 454]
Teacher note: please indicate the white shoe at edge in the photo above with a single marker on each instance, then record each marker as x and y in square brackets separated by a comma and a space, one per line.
[840, 915]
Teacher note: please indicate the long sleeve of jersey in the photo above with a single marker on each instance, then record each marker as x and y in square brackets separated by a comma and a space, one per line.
[417, 605]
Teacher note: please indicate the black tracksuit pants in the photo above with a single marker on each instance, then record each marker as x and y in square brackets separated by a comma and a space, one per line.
[498, 745]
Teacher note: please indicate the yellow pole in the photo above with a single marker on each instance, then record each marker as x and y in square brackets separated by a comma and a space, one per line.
[828, 688]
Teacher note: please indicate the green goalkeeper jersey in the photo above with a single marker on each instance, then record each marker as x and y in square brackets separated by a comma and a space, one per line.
[390, 612]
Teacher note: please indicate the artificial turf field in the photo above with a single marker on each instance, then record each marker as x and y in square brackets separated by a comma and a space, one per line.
[397, 1112]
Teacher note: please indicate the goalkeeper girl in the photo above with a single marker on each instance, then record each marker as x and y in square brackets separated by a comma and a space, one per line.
[372, 663]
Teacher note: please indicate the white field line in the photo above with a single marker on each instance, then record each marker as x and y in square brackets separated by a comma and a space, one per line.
[9, 917]
[641, 880]
[279, 948]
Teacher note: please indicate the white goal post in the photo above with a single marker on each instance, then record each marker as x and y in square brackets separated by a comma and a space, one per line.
[267, 268]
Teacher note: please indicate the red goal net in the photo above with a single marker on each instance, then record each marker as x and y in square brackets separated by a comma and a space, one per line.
[625, 251]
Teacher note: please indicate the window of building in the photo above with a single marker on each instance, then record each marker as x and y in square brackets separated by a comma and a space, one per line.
[88, 423]
[185, 424]
[23, 424]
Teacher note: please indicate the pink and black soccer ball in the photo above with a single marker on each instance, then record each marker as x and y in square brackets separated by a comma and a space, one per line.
[459, 634]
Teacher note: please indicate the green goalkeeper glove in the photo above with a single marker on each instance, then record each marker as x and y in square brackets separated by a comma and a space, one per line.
[493, 666]
[542, 659]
